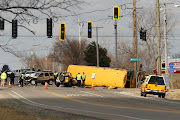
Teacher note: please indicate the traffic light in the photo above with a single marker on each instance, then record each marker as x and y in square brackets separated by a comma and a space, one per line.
[141, 33]
[14, 29]
[49, 28]
[62, 31]
[144, 36]
[89, 30]
[116, 12]
[1, 24]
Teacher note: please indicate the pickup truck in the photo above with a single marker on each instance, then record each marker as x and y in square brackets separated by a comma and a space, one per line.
[155, 85]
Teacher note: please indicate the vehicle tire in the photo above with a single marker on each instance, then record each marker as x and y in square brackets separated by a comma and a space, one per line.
[144, 94]
[70, 84]
[57, 84]
[65, 85]
[42, 83]
[50, 82]
[159, 95]
[61, 78]
[141, 93]
[163, 95]
[32, 81]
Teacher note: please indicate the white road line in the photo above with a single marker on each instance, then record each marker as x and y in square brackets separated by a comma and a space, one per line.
[78, 95]
[22, 97]
[130, 94]
[141, 97]
[60, 108]
[92, 93]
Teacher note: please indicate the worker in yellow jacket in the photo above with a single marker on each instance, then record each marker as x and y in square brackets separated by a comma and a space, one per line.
[79, 78]
[3, 78]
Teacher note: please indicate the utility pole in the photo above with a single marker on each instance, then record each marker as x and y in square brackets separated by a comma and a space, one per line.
[53, 64]
[18, 63]
[165, 39]
[46, 48]
[36, 49]
[32, 55]
[97, 46]
[79, 32]
[159, 38]
[134, 43]
[115, 27]
[80, 27]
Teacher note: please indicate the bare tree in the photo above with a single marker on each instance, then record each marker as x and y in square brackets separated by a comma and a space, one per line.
[33, 10]
[69, 52]
[35, 62]
[147, 20]
[125, 52]
[177, 55]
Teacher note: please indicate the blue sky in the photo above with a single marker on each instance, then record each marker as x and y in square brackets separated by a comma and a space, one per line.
[26, 40]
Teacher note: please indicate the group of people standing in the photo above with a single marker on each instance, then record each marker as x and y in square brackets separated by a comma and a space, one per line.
[4, 78]
[79, 78]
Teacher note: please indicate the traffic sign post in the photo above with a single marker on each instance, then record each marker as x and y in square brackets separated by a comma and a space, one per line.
[171, 71]
[135, 59]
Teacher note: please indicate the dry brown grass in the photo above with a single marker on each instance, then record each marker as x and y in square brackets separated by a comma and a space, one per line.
[7, 113]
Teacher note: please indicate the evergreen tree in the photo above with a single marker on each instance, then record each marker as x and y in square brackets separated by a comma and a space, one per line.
[5, 68]
[91, 56]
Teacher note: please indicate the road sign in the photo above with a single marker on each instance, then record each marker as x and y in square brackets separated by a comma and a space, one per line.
[171, 69]
[171, 64]
[135, 59]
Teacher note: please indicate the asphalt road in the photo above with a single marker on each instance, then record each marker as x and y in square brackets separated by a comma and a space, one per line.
[100, 103]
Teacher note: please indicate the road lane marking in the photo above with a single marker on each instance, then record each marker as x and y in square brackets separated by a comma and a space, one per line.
[92, 93]
[60, 108]
[79, 95]
[22, 96]
[127, 103]
[142, 109]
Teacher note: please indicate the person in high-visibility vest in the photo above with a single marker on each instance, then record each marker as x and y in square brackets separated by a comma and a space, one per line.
[3, 78]
[55, 77]
[21, 80]
[83, 79]
[79, 78]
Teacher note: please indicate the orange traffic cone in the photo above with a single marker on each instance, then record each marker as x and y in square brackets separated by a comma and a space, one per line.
[9, 85]
[45, 85]
[92, 87]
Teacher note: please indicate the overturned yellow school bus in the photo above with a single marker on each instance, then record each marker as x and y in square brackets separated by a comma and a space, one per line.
[100, 76]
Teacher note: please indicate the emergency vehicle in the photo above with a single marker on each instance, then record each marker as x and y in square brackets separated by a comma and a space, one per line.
[176, 62]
